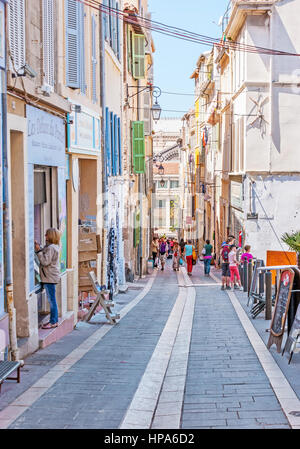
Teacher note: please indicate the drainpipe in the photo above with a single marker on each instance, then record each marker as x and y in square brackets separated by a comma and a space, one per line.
[103, 146]
[271, 90]
[7, 231]
[140, 247]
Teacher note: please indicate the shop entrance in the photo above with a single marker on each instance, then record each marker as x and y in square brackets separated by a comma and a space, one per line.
[45, 216]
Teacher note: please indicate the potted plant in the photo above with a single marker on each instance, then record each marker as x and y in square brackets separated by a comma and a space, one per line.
[293, 242]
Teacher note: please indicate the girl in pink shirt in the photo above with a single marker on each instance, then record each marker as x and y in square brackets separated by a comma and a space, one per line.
[246, 255]
[233, 266]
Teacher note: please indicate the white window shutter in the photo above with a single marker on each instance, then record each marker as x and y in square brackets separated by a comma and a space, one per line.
[94, 61]
[48, 42]
[16, 24]
[72, 44]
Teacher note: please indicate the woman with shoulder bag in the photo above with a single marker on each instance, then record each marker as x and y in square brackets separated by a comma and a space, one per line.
[188, 253]
[207, 257]
[49, 271]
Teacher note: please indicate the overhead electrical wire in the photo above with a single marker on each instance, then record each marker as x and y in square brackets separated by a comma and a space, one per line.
[181, 33]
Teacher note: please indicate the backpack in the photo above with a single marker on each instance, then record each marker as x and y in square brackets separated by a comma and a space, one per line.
[162, 248]
[225, 252]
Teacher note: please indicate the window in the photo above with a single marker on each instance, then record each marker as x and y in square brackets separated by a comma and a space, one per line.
[45, 205]
[160, 186]
[112, 26]
[162, 204]
[113, 148]
[16, 23]
[138, 56]
[48, 42]
[174, 184]
[94, 61]
[75, 70]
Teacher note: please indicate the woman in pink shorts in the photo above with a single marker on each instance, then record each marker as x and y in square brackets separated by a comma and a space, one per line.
[234, 271]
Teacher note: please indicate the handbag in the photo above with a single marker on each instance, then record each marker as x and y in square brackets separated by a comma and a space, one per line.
[203, 251]
[180, 261]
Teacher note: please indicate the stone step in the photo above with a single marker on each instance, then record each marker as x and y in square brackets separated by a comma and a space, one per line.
[49, 336]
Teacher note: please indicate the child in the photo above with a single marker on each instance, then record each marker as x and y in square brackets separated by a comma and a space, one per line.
[176, 256]
[233, 266]
[246, 255]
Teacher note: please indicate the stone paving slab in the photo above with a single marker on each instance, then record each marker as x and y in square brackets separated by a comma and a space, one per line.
[218, 373]
[111, 387]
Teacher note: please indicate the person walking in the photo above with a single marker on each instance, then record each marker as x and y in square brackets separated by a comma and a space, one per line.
[233, 266]
[154, 250]
[162, 253]
[246, 254]
[49, 271]
[188, 254]
[224, 253]
[207, 255]
[182, 246]
[176, 256]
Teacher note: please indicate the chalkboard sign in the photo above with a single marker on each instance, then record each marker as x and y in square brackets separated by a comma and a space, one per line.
[281, 308]
[282, 302]
[290, 345]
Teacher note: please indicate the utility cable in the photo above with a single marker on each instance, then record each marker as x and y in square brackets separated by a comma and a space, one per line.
[182, 33]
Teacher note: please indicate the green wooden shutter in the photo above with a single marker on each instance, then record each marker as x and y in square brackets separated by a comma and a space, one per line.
[138, 56]
[129, 50]
[138, 147]
[136, 229]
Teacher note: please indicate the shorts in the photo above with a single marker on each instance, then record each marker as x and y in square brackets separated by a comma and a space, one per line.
[225, 269]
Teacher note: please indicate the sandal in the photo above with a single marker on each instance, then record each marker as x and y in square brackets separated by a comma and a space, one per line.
[49, 326]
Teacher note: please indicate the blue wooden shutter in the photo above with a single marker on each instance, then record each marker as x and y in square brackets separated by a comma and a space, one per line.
[94, 61]
[110, 23]
[112, 142]
[116, 153]
[114, 20]
[118, 33]
[105, 19]
[72, 45]
[119, 146]
[107, 142]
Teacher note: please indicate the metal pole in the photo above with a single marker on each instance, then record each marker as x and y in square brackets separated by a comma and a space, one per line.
[268, 283]
[241, 271]
[245, 275]
[261, 283]
[250, 274]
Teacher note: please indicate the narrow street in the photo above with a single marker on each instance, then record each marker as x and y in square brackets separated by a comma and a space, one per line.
[184, 355]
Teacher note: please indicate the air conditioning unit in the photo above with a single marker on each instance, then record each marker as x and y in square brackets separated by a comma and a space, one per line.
[46, 89]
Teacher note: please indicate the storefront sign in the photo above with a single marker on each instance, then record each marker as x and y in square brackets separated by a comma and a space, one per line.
[45, 138]
[84, 133]
[46, 146]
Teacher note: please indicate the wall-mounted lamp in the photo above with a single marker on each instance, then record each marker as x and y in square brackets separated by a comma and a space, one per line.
[26, 70]
[156, 92]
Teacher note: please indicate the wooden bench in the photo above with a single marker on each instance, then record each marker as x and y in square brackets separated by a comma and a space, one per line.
[7, 368]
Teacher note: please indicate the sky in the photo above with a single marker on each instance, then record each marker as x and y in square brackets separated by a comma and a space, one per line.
[175, 59]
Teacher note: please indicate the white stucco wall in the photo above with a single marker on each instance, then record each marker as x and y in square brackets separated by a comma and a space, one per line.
[276, 199]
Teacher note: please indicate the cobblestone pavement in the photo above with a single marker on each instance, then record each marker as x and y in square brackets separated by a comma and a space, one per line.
[178, 358]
